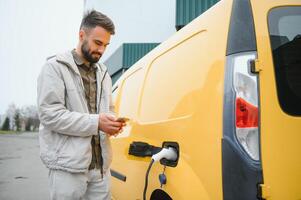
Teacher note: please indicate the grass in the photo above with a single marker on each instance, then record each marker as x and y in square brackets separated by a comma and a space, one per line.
[8, 132]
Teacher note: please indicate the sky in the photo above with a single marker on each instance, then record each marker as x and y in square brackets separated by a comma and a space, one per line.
[33, 30]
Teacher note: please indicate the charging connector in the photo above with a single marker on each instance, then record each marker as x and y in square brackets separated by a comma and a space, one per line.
[167, 153]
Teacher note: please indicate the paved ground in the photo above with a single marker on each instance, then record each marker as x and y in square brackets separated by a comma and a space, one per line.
[22, 174]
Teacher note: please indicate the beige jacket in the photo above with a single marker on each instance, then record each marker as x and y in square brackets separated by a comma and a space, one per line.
[66, 126]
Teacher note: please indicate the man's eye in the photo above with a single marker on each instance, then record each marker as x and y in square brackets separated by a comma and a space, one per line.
[98, 43]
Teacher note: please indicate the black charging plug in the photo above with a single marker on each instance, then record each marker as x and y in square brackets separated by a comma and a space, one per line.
[143, 149]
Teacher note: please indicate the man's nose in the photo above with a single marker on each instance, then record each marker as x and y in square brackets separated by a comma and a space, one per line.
[101, 49]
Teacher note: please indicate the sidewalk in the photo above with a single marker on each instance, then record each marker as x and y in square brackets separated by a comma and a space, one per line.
[22, 174]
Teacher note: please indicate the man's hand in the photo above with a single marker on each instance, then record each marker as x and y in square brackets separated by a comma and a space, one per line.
[108, 124]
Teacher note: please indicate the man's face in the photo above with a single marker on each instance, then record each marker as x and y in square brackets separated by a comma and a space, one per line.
[94, 43]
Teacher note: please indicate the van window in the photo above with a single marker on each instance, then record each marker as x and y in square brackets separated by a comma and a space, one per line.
[285, 37]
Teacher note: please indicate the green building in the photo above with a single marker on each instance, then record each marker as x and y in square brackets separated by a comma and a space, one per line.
[187, 10]
[125, 56]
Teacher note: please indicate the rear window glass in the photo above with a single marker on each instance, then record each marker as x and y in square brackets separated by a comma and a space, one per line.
[285, 37]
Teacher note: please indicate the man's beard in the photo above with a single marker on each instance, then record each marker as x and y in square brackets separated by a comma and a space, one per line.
[87, 55]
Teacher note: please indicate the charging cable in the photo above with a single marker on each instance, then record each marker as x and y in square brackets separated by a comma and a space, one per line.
[167, 153]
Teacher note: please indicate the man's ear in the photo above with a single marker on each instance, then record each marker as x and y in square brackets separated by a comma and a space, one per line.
[81, 35]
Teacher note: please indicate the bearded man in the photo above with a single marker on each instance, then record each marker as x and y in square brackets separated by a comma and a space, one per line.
[77, 115]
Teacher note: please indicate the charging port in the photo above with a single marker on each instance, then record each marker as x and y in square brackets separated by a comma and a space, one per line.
[175, 146]
[143, 149]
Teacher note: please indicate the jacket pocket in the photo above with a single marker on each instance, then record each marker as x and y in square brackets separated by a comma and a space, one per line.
[61, 144]
[75, 153]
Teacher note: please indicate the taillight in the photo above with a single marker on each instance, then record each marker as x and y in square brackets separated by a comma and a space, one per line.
[246, 114]
[245, 87]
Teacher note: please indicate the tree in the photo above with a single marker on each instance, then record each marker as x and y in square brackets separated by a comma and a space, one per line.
[10, 113]
[20, 119]
[30, 118]
[28, 125]
[6, 124]
[17, 120]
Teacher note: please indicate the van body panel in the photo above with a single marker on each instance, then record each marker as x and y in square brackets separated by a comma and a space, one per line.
[175, 93]
[280, 132]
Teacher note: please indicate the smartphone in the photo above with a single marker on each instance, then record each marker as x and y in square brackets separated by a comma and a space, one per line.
[122, 119]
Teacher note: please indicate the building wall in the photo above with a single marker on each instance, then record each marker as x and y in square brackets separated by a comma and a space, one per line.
[116, 75]
[187, 10]
[115, 61]
[125, 56]
[132, 52]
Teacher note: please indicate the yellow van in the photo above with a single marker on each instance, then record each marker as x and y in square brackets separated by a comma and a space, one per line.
[225, 93]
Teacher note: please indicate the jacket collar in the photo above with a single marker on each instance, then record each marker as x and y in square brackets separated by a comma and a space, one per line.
[67, 59]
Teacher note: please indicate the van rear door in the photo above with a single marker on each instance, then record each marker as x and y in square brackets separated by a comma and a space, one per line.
[278, 35]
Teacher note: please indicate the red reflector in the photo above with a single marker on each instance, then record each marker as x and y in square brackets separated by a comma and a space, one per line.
[246, 114]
